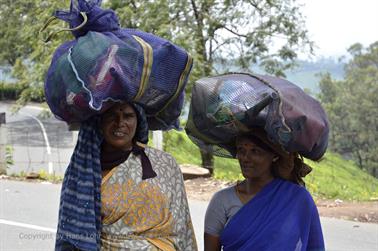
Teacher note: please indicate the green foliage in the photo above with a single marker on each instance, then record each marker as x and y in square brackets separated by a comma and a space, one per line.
[10, 91]
[43, 175]
[21, 44]
[22, 175]
[334, 177]
[331, 178]
[21, 93]
[214, 30]
[179, 145]
[9, 155]
[186, 152]
[351, 105]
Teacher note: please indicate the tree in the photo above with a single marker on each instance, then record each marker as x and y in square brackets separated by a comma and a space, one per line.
[22, 45]
[352, 104]
[12, 40]
[215, 32]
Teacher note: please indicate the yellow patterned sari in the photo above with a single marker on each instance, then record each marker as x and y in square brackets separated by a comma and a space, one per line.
[149, 214]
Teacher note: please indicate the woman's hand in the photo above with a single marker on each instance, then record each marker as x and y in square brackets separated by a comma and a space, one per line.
[212, 243]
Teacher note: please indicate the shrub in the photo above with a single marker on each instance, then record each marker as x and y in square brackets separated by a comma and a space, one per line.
[10, 91]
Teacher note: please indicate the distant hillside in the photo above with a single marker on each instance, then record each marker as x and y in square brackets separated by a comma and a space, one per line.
[333, 177]
[305, 74]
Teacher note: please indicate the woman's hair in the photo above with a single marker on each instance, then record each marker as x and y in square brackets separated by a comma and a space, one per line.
[288, 166]
[291, 167]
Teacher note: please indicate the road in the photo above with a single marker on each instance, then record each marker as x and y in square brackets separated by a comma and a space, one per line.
[28, 218]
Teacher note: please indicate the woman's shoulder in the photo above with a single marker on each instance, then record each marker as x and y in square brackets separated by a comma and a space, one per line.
[161, 158]
[225, 193]
[298, 190]
[150, 151]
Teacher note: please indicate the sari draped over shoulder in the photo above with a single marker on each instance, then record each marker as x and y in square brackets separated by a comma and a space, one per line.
[146, 214]
[282, 216]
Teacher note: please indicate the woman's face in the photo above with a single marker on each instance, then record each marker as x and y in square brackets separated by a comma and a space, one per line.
[254, 161]
[118, 125]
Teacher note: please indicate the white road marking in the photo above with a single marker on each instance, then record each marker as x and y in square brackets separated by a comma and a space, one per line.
[25, 225]
[48, 148]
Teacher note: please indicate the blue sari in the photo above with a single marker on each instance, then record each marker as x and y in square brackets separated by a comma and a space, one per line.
[282, 216]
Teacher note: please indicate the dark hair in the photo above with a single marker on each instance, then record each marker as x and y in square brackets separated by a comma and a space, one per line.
[257, 141]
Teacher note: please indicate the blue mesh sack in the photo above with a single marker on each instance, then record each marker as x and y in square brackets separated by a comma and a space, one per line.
[106, 63]
[227, 105]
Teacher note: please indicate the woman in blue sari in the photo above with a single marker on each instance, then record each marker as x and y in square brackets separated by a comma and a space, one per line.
[270, 209]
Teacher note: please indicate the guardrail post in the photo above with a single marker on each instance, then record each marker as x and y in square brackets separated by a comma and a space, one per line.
[3, 142]
[157, 139]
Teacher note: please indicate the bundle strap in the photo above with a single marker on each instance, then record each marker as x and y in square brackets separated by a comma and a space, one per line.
[53, 33]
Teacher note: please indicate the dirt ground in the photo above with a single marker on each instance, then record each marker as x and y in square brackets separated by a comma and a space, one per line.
[204, 188]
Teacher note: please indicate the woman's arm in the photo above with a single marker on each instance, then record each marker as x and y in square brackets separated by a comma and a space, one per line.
[212, 243]
[215, 220]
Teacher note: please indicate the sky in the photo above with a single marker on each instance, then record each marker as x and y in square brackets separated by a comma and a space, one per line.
[334, 25]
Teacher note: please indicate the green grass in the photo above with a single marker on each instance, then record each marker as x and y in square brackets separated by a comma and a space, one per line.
[331, 178]
[334, 177]
[42, 176]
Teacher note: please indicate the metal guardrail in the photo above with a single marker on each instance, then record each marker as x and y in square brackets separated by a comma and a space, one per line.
[3, 141]
[28, 151]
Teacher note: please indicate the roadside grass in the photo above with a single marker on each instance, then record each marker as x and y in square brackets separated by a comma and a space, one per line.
[42, 175]
[331, 178]
[334, 177]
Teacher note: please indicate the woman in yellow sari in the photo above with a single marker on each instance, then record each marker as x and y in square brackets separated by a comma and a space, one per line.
[143, 199]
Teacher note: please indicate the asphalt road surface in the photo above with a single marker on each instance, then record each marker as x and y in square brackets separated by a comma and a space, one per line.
[28, 219]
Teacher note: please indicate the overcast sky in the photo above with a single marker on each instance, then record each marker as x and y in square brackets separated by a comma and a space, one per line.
[334, 25]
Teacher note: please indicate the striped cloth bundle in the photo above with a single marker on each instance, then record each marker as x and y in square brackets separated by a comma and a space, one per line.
[80, 201]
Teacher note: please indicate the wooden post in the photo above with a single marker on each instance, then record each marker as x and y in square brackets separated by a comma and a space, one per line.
[3, 142]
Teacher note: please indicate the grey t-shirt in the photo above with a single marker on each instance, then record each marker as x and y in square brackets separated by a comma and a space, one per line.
[222, 207]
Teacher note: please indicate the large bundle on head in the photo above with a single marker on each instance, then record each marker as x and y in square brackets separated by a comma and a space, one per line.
[225, 106]
[107, 63]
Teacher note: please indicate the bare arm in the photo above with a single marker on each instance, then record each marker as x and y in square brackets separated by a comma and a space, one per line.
[212, 243]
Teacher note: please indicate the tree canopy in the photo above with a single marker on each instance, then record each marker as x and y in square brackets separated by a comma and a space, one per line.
[264, 32]
[22, 46]
[352, 105]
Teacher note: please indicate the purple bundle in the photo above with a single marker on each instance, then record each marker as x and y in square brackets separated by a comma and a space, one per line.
[106, 63]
